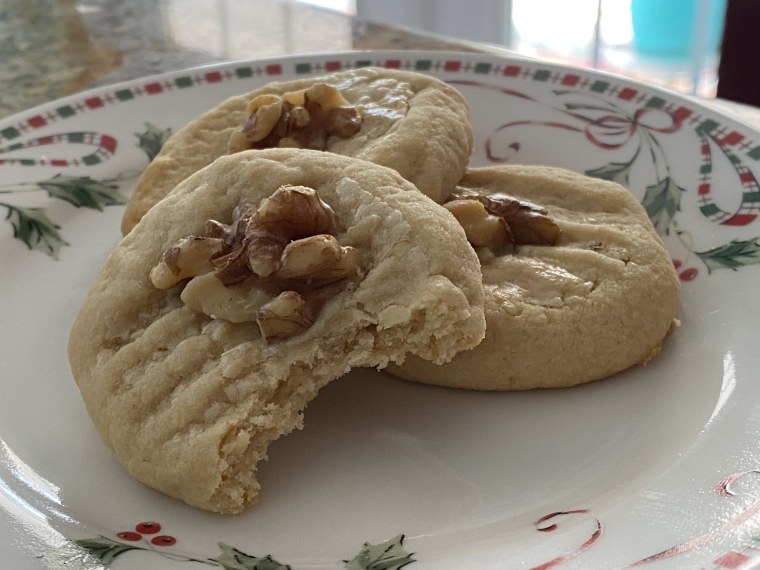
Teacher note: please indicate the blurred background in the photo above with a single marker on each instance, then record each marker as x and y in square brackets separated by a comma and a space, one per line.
[674, 43]
[668, 42]
[51, 48]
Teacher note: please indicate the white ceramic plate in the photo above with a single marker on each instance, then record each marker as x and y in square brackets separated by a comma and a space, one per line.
[658, 466]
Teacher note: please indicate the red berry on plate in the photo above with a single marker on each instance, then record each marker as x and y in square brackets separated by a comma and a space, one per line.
[164, 540]
[148, 527]
[129, 535]
[688, 274]
[676, 263]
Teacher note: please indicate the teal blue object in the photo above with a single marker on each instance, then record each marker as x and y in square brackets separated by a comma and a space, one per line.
[667, 27]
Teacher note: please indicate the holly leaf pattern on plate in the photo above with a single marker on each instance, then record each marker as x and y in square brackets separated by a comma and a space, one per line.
[388, 555]
[83, 191]
[35, 229]
[152, 139]
[733, 255]
[233, 559]
[615, 171]
[105, 549]
[661, 202]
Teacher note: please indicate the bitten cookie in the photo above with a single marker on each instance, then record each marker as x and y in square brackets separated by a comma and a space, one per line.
[412, 123]
[582, 287]
[257, 281]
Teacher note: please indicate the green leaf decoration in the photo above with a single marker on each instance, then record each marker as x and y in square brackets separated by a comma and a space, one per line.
[105, 549]
[388, 555]
[83, 191]
[588, 107]
[152, 139]
[661, 201]
[733, 255]
[615, 171]
[233, 559]
[35, 229]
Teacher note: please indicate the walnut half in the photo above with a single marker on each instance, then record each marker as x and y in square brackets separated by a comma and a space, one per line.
[275, 264]
[496, 220]
[317, 258]
[302, 119]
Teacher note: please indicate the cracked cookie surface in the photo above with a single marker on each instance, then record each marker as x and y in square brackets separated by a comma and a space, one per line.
[602, 299]
[189, 402]
[410, 122]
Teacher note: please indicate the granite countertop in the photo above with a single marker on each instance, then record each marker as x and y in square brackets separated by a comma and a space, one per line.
[53, 48]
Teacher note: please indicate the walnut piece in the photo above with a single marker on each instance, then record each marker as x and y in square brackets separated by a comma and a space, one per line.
[294, 212]
[302, 119]
[263, 113]
[285, 316]
[189, 257]
[529, 223]
[481, 228]
[525, 223]
[276, 264]
[319, 257]
[207, 294]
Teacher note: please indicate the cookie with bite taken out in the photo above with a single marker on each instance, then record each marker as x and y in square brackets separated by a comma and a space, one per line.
[258, 280]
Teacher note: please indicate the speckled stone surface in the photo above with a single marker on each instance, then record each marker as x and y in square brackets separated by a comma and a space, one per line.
[53, 48]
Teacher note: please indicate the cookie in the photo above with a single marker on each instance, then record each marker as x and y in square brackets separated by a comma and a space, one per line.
[412, 123]
[590, 293]
[257, 281]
